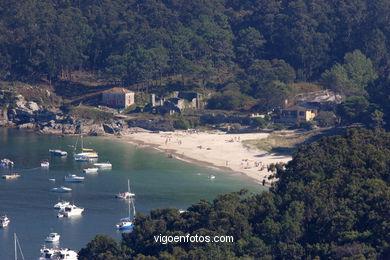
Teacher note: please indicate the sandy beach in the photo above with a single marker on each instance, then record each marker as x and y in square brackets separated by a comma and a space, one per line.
[218, 149]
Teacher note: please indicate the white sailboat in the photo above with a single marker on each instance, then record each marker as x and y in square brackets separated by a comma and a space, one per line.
[86, 153]
[127, 194]
[127, 222]
[17, 246]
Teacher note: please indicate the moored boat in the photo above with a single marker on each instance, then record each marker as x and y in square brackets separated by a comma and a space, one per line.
[6, 163]
[86, 153]
[74, 178]
[57, 152]
[70, 210]
[61, 189]
[127, 222]
[4, 221]
[11, 176]
[61, 205]
[58, 254]
[127, 194]
[45, 164]
[106, 165]
[91, 170]
[52, 237]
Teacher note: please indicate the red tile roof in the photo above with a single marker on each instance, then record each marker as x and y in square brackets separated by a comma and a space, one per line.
[118, 90]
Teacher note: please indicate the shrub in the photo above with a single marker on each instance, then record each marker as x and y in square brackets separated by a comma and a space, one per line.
[326, 118]
[181, 123]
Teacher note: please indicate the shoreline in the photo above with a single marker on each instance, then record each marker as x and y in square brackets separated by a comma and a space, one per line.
[217, 150]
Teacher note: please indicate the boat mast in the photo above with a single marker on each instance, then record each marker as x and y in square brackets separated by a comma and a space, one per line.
[128, 185]
[75, 146]
[133, 209]
[16, 252]
[20, 249]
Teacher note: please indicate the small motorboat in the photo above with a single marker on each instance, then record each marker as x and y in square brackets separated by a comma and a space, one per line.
[91, 170]
[58, 152]
[52, 179]
[61, 189]
[52, 237]
[61, 205]
[4, 221]
[6, 163]
[74, 178]
[11, 176]
[106, 165]
[211, 177]
[45, 164]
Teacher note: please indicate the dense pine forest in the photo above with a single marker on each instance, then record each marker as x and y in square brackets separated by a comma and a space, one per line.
[332, 201]
[249, 51]
[140, 40]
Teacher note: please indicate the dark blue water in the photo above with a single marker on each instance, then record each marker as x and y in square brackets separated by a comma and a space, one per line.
[156, 180]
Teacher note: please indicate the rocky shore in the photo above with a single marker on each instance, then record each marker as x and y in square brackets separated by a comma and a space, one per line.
[25, 114]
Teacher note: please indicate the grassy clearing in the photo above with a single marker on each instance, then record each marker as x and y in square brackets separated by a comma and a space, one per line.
[91, 113]
[283, 142]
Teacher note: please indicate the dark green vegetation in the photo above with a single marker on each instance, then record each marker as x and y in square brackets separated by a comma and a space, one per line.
[250, 52]
[332, 201]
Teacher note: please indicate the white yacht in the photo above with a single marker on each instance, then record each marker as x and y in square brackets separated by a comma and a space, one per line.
[106, 165]
[52, 237]
[69, 211]
[91, 170]
[4, 221]
[74, 178]
[211, 177]
[61, 189]
[61, 205]
[58, 152]
[45, 164]
[127, 194]
[58, 254]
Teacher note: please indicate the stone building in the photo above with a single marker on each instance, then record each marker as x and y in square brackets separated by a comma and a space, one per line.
[118, 97]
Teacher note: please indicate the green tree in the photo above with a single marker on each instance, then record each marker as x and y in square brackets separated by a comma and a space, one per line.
[352, 77]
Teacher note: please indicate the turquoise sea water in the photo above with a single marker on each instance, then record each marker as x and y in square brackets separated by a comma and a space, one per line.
[157, 181]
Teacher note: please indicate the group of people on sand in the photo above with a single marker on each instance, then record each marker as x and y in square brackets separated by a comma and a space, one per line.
[234, 139]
